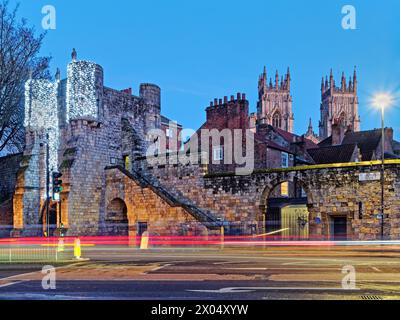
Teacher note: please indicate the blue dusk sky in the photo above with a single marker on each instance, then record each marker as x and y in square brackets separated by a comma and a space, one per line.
[200, 50]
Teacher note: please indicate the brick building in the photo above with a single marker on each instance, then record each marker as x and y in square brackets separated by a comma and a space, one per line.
[173, 134]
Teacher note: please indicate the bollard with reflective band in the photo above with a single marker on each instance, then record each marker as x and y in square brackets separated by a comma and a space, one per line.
[144, 243]
[77, 249]
[222, 233]
[60, 246]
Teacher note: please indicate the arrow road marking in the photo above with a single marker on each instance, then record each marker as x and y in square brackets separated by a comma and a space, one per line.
[252, 289]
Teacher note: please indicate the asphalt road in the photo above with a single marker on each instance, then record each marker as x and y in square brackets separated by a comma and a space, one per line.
[230, 274]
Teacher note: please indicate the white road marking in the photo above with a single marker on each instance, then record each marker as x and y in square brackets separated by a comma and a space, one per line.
[11, 283]
[376, 269]
[246, 268]
[159, 268]
[293, 263]
[199, 256]
[282, 268]
[35, 272]
[230, 262]
[252, 289]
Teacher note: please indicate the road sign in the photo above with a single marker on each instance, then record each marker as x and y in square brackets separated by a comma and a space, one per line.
[318, 220]
[369, 176]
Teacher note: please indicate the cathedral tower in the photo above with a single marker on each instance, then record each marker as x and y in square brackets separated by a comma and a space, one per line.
[339, 105]
[274, 105]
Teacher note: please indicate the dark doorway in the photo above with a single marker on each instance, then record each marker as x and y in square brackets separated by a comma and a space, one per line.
[117, 218]
[52, 220]
[339, 225]
[142, 228]
[273, 219]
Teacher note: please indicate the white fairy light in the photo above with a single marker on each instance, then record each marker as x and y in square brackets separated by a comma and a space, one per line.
[81, 90]
[42, 109]
[41, 114]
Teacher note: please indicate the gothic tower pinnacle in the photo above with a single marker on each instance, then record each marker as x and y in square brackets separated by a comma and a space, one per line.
[339, 105]
[274, 106]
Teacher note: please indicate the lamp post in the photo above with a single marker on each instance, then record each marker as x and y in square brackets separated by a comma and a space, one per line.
[382, 100]
[47, 185]
[383, 172]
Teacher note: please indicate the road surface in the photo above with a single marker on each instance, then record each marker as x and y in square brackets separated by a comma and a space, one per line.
[210, 274]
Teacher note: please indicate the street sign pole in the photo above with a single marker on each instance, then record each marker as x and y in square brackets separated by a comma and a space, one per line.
[47, 184]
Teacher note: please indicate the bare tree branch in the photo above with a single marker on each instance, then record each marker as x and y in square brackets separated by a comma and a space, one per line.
[19, 57]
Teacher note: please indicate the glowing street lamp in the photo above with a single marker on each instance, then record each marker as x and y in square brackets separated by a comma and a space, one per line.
[382, 100]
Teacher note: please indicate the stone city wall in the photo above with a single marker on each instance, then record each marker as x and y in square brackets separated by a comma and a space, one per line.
[331, 192]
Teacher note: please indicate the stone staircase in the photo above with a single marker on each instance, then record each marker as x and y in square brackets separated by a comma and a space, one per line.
[207, 218]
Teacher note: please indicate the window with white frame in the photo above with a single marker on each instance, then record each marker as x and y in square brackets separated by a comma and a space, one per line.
[218, 153]
[285, 159]
[169, 133]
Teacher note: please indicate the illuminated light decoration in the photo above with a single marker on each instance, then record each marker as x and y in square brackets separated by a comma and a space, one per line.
[81, 97]
[41, 114]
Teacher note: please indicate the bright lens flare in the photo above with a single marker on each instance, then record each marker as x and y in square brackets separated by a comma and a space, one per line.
[382, 100]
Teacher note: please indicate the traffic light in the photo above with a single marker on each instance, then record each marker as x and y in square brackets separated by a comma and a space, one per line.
[57, 183]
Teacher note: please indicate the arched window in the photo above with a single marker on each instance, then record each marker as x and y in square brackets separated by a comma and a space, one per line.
[342, 119]
[277, 120]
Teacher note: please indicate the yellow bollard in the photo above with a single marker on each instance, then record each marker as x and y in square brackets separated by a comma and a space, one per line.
[222, 233]
[60, 246]
[77, 249]
[144, 243]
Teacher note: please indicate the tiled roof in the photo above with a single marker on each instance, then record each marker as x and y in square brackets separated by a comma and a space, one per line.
[332, 154]
[274, 145]
[291, 137]
[367, 141]
[326, 142]
[260, 139]
[396, 146]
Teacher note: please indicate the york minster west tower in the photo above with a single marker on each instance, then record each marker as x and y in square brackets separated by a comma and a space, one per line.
[339, 104]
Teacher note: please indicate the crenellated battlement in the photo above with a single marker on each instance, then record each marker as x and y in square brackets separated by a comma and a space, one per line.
[151, 94]
[281, 84]
[328, 87]
[274, 106]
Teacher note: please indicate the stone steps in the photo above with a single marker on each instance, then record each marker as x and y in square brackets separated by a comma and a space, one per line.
[207, 218]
